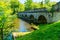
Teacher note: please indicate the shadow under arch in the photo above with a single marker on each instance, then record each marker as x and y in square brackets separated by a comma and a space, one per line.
[42, 19]
[31, 17]
[22, 15]
[25, 16]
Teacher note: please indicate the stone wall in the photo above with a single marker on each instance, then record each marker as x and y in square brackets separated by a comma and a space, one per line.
[56, 16]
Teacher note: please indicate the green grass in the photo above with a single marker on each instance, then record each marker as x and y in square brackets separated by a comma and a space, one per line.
[46, 32]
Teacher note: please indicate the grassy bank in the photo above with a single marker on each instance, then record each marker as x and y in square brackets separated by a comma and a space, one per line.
[47, 32]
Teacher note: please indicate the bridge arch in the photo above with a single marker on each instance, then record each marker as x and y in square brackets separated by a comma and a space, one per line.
[31, 17]
[22, 15]
[42, 19]
[26, 16]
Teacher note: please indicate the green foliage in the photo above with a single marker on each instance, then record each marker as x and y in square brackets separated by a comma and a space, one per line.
[28, 4]
[14, 5]
[49, 5]
[6, 19]
[47, 1]
[3, 12]
[35, 5]
[21, 7]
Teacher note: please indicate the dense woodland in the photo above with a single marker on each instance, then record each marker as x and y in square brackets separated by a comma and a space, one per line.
[9, 9]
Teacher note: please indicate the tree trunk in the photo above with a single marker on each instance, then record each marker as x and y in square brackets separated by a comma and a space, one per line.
[1, 33]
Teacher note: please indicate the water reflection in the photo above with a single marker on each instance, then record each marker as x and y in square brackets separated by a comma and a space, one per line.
[22, 27]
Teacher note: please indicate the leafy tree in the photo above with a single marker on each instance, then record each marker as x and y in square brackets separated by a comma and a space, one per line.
[35, 5]
[14, 5]
[49, 5]
[6, 19]
[47, 1]
[21, 7]
[28, 4]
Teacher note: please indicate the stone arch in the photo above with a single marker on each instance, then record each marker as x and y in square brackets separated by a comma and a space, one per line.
[31, 17]
[22, 15]
[42, 19]
[25, 16]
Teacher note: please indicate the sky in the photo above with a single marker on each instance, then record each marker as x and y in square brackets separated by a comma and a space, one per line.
[22, 1]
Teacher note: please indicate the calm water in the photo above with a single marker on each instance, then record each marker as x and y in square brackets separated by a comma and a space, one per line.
[22, 27]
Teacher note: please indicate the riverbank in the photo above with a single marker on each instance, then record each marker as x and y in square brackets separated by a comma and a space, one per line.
[14, 27]
[21, 28]
[48, 32]
[16, 24]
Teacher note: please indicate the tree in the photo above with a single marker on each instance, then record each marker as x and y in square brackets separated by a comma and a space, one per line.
[28, 4]
[21, 7]
[14, 5]
[6, 19]
[49, 5]
[35, 5]
[47, 1]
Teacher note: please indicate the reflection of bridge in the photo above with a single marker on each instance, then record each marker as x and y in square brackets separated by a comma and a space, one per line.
[37, 15]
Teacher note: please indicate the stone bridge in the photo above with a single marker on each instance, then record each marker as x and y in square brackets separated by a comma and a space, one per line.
[37, 15]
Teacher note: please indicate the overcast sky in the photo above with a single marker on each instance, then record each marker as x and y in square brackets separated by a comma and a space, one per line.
[22, 1]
